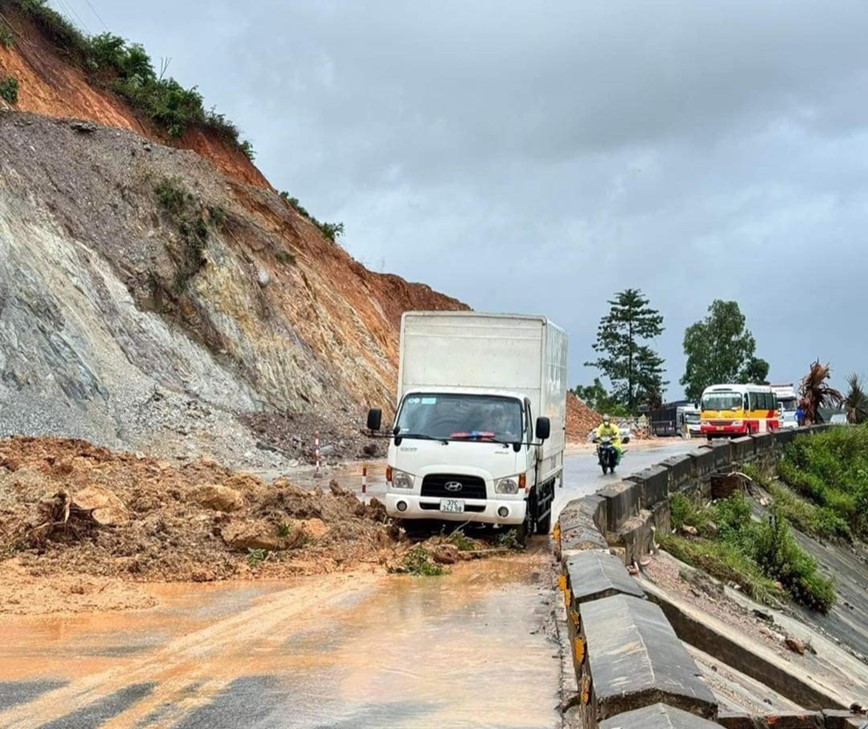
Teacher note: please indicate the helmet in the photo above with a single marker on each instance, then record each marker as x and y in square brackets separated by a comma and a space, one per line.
[606, 419]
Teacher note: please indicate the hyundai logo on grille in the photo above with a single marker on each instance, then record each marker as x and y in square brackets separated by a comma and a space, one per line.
[453, 486]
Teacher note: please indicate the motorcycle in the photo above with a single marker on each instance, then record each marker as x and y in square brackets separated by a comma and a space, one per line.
[607, 455]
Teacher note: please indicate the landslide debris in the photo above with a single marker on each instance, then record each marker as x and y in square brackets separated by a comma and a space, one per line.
[81, 517]
[67, 506]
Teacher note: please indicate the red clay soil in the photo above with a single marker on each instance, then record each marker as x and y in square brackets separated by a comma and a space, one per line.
[581, 419]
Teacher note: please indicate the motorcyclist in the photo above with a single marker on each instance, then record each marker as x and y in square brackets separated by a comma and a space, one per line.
[608, 429]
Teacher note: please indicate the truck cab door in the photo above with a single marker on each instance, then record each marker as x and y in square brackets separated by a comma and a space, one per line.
[532, 450]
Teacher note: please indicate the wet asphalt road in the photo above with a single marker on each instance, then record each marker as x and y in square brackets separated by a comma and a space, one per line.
[473, 649]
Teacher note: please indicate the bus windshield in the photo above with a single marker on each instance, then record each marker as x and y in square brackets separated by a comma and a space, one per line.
[722, 401]
[454, 416]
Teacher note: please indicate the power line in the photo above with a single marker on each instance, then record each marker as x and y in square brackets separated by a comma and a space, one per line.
[93, 10]
[70, 11]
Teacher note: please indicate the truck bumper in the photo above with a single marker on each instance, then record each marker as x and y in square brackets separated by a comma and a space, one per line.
[425, 507]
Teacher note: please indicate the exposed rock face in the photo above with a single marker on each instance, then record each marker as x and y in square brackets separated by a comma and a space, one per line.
[121, 326]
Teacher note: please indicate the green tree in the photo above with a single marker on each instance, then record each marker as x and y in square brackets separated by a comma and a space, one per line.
[634, 369]
[757, 371]
[856, 401]
[597, 397]
[720, 349]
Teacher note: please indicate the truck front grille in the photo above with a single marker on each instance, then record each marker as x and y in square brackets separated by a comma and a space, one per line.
[472, 487]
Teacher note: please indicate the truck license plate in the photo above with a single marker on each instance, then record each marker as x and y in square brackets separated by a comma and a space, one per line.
[452, 506]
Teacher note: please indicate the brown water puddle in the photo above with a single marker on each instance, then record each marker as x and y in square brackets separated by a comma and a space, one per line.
[468, 649]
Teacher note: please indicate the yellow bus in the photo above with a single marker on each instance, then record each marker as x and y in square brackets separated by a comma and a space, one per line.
[733, 410]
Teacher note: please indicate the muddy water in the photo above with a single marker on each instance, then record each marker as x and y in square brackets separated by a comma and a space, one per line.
[468, 649]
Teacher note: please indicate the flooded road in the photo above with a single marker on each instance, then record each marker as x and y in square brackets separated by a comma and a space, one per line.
[472, 649]
[475, 648]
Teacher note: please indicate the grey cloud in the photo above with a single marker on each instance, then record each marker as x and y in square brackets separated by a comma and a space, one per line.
[539, 157]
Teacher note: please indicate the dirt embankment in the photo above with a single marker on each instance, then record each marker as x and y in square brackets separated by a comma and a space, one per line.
[581, 419]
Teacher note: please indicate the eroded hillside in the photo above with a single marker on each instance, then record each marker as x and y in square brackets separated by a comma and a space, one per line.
[165, 298]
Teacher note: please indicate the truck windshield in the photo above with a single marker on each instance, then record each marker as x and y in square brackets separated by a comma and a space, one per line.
[722, 401]
[789, 406]
[455, 416]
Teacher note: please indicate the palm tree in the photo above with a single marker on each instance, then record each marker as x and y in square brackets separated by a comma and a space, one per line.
[856, 401]
[817, 393]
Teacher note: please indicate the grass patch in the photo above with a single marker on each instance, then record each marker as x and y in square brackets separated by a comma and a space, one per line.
[9, 89]
[685, 512]
[255, 557]
[194, 224]
[753, 555]
[725, 562]
[418, 562]
[462, 541]
[509, 539]
[818, 521]
[830, 470]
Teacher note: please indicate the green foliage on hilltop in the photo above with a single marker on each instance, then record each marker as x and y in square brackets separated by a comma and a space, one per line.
[126, 68]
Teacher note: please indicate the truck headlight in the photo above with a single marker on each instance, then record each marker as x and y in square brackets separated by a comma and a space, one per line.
[507, 485]
[401, 480]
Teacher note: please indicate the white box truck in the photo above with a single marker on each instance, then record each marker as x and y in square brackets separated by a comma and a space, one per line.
[479, 429]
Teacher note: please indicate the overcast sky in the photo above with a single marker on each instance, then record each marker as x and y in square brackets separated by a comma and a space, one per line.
[539, 156]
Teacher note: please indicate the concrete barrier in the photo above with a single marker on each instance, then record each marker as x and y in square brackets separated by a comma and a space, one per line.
[742, 449]
[595, 575]
[653, 486]
[622, 502]
[634, 660]
[657, 716]
[680, 470]
[579, 526]
[703, 464]
[722, 455]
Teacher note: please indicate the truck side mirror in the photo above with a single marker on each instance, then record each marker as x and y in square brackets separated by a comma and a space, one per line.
[375, 419]
[543, 428]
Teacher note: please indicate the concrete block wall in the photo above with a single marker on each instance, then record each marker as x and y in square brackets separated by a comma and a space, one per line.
[631, 667]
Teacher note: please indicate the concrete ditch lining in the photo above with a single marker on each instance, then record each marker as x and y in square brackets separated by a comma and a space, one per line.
[589, 579]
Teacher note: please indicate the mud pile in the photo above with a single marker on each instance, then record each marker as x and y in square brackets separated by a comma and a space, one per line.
[581, 419]
[70, 507]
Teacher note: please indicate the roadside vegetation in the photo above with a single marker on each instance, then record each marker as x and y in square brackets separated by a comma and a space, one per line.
[332, 231]
[762, 558]
[816, 521]
[830, 471]
[114, 63]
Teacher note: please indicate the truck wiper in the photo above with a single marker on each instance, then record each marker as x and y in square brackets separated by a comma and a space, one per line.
[421, 436]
